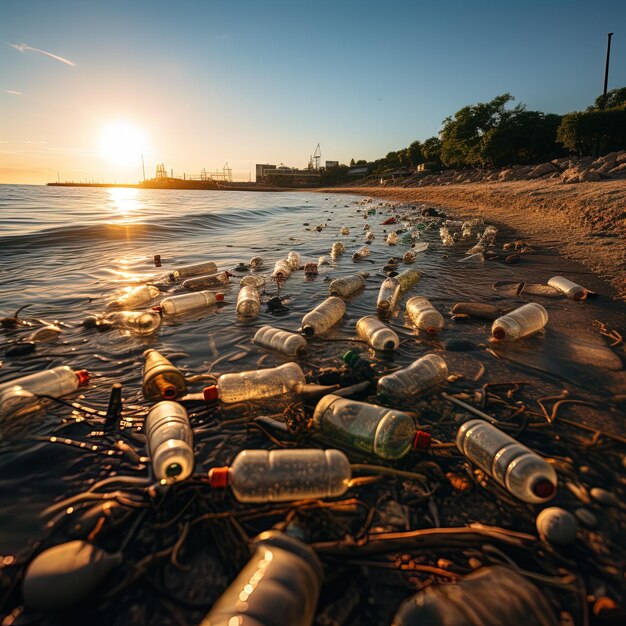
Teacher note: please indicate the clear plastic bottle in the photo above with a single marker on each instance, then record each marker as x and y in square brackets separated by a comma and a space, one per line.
[176, 305]
[256, 262]
[136, 297]
[282, 270]
[361, 253]
[248, 302]
[446, 237]
[388, 295]
[569, 288]
[170, 441]
[20, 395]
[311, 269]
[336, 249]
[424, 315]
[212, 280]
[258, 281]
[279, 586]
[161, 378]
[392, 239]
[280, 341]
[489, 235]
[196, 269]
[345, 230]
[323, 316]
[137, 322]
[256, 384]
[408, 278]
[377, 334]
[473, 260]
[282, 475]
[409, 257]
[370, 236]
[369, 428]
[347, 285]
[294, 260]
[466, 230]
[408, 384]
[518, 469]
[528, 319]
[323, 260]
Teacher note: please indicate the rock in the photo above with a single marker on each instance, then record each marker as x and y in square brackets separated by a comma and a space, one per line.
[590, 176]
[429, 212]
[458, 345]
[557, 526]
[604, 497]
[241, 267]
[20, 349]
[542, 170]
[586, 517]
[480, 310]
[513, 258]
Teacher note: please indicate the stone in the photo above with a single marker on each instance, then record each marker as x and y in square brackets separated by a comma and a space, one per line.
[541, 170]
[604, 497]
[586, 517]
[480, 310]
[557, 526]
[458, 345]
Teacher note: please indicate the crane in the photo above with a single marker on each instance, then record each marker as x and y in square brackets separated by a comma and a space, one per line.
[317, 157]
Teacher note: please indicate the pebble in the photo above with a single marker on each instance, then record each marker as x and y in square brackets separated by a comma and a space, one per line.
[586, 517]
[557, 525]
[513, 258]
[458, 345]
[604, 497]
[481, 310]
[20, 349]
[579, 491]
[474, 563]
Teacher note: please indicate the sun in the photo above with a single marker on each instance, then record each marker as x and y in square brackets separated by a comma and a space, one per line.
[122, 143]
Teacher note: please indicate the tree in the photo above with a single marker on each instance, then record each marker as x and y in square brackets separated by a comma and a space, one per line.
[351, 162]
[431, 150]
[615, 98]
[414, 154]
[591, 133]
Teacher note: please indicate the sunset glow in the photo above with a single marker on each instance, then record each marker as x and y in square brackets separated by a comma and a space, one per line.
[122, 143]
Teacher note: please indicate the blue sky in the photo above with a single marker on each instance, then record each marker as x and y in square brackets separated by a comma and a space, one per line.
[246, 82]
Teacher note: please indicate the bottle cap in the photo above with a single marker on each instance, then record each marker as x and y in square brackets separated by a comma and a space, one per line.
[543, 488]
[83, 377]
[308, 331]
[431, 330]
[422, 440]
[158, 308]
[228, 274]
[219, 297]
[498, 333]
[390, 345]
[218, 477]
[210, 393]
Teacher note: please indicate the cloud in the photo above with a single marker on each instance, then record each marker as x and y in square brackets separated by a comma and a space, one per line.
[12, 92]
[22, 47]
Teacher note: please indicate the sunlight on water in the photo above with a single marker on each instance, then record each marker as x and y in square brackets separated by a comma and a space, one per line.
[125, 204]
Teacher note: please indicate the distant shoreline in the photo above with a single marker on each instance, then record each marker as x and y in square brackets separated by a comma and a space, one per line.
[178, 184]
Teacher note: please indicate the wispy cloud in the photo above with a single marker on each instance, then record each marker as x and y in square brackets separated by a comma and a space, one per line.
[12, 92]
[22, 47]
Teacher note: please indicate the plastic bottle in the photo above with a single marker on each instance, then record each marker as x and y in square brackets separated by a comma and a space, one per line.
[20, 395]
[408, 384]
[473, 260]
[256, 262]
[347, 285]
[409, 257]
[161, 379]
[361, 253]
[280, 341]
[170, 441]
[138, 322]
[392, 239]
[311, 269]
[368, 428]
[388, 295]
[528, 319]
[345, 230]
[377, 334]
[282, 270]
[446, 237]
[570, 289]
[323, 260]
[489, 235]
[136, 297]
[323, 316]
[257, 384]
[175, 305]
[293, 258]
[279, 586]
[518, 469]
[369, 236]
[408, 278]
[424, 315]
[197, 269]
[258, 280]
[366, 226]
[466, 230]
[336, 249]
[212, 280]
[248, 302]
[282, 475]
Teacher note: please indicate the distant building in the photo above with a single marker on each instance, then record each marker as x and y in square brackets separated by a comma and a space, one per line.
[330, 164]
[358, 172]
[261, 171]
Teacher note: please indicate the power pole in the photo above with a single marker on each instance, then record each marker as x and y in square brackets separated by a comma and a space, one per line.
[606, 68]
[143, 167]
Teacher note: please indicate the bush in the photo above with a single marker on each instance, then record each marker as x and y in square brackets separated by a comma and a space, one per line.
[595, 132]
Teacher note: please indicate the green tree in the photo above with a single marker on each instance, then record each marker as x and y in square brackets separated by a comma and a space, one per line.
[351, 162]
[591, 133]
[615, 98]
[431, 150]
[414, 154]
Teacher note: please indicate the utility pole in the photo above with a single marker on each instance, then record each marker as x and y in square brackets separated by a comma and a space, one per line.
[606, 68]
[143, 167]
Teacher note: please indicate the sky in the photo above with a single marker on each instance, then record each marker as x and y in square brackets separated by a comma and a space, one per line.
[87, 87]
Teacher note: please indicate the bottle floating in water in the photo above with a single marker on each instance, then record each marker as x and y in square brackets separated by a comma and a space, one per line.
[283, 475]
[136, 297]
[408, 384]
[518, 469]
[466, 230]
[377, 334]
[258, 281]
[446, 237]
[366, 226]
[408, 278]
[20, 395]
[528, 319]
[409, 257]
[489, 235]
[424, 315]
[361, 366]
[345, 230]
[368, 428]
[369, 236]
[569, 288]
[212, 280]
[323, 260]
[248, 302]
[282, 270]
[280, 341]
[473, 260]
[279, 586]
[347, 285]
[337, 249]
[323, 316]
[361, 253]
[392, 239]
[256, 262]
[137, 322]
[161, 378]
[170, 441]
[257, 384]
[176, 305]
[388, 295]
[294, 260]
[197, 269]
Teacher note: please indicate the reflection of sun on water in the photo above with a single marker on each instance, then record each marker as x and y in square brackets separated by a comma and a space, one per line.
[125, 203]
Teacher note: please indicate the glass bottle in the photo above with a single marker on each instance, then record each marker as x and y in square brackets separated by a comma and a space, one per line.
[161, 379]
[388, 295]
[347, 285]
[136, 297]
[408, 384]
[176, 305]
[424, 315]
[569, 288]
[323, 316]
[523, 321]
[248, 302]
[280, 341]
[377, 334]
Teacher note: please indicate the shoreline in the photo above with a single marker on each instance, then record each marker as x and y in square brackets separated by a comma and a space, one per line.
[585, 222]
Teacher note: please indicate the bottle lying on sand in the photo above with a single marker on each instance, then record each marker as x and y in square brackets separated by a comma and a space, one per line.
[408, 278]
[522, 472]
[377, 334]
[280, 586]
[569, 288]
[323, 316]
[388, 295]
[282, 270]
[170, 441]
[211, 280]
[288, 343]
[183, 303]
[136, 297]
[248, 302]
[294, 260]
[526, 320]
[161, 378]
[361, 253]
[347, 285]
[420, 378]
[137, 322]
[424, 315]
[197, 269]
[283, 475]
[257, 384]
[392, 239]
[368, 428]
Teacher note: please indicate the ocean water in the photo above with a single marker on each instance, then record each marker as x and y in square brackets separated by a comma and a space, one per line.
[65, 251]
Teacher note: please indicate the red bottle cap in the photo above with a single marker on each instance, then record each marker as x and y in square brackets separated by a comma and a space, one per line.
[210, 393]
[228, 274]
[83, 377]
[498, 333]
[543, 488]
[422, 440]
[219, 297]
[218, 477]
[158, 308]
